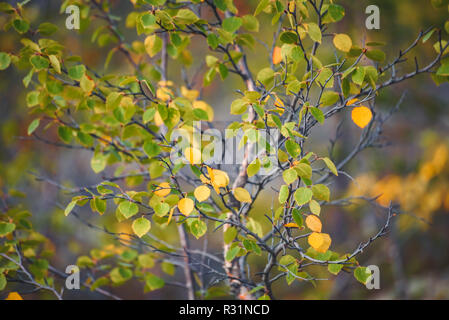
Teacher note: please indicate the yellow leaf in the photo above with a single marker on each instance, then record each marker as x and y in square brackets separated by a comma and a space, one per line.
[204, 179]
[313, 223]
[163, 189]
[361, 116]
[14, 296]
[164, 94]
[218, 179]
[242, 195]
[205, 107]
[192, 95]
[186, 206]
[352, 101]
[158, 119]
[277, 56]
[202, 193]
[343, 42]
[291, 225]
[193, 155]
[172, 210]
[320, 241]
[278, 102]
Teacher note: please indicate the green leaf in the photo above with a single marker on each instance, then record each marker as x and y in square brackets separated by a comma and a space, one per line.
[153, 282]
[65, 134]
[232, 253]
[6, 228]
[330, 165]
[261, 6]
[55, 63]
[186, 16]
[148, 19]
[359, 75]
[162, 209]
[102, 281]
[128, 209]
[47, 28]
[289, 37]
[303, 195]
[69, 208]
[141, 226]
[375, 55]
[151, 149]
[21, 25]
[297, 217]
[315, 207]
[336, 12]
[329, 98]
[317, 114]
[76, 72]
[33, 126]
[212, 41]
[304, 170]
[200, 114]
[362, 274]
[5, 60]
[283, 194]
[290, 176]
[443, 70]
[334, 268]
[314, 32]
[39, 62]
[266, 77]
[198, 228]
[100, 205]
[232, 24]
[2, 281]
[113, 100]
[148, 115]
[120, 275]
[98, 162]
[321, 192]
[293, 148]
[6, 7]
[239, 106]
[253, 168]
[32, 98]
[229, 235]
[250, 23]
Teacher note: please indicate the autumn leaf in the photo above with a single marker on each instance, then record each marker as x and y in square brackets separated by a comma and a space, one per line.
[186, 206]
[218, 179]
[320, 241]
[313, 223]
[291, 225]
[342, 42]
[361, 116]
[242, 195]
[202, 193]
[193, 155]
[14, 296]
[352, 101]
[163, 189]
[277, 56]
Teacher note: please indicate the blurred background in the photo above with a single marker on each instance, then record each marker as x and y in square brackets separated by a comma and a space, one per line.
[411, 171]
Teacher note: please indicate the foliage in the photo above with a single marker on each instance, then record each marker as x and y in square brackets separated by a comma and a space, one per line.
[128, 121]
